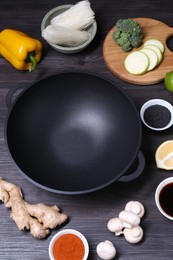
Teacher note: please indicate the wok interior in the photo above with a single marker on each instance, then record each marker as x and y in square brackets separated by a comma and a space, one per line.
[73, 132]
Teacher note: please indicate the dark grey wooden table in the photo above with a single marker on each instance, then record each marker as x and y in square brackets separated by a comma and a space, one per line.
[87, 213]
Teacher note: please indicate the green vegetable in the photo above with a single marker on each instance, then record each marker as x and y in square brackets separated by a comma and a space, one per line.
[147, 58]
[128, 34]
[136, 63]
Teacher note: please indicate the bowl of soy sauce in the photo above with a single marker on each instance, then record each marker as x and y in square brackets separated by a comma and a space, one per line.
[164, 198]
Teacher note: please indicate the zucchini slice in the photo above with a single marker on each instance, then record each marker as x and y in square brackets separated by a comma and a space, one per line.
[137, 63]
[155, 42]
[152, 56]
[157, 50]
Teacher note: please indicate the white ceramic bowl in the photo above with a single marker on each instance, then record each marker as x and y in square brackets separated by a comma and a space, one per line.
[160, 102]
[58, 10]
[68, 231]
[157, 195]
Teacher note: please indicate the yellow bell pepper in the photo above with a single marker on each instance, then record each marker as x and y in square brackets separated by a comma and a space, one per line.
[21, 50]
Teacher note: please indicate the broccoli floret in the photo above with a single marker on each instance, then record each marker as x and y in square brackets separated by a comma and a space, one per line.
[127, 46]
[128, 34]
[135, 41]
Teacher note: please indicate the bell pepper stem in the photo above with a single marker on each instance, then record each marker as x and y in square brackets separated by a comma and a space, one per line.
[33, 64]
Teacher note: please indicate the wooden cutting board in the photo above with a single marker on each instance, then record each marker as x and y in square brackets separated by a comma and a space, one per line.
[114, 56]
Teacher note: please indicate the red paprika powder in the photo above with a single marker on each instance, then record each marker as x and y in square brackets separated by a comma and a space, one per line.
[68, 247]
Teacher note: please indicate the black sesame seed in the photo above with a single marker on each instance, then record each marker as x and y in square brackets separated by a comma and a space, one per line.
[157, 116]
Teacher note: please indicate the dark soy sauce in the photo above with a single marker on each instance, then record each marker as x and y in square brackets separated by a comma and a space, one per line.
[166, 199]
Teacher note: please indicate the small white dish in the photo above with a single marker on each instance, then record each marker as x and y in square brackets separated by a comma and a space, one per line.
[163, 195]
[65, 232]
[159, 117]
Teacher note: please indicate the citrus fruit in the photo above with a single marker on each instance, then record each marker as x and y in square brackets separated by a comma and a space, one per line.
[164, 155]
[168, 80]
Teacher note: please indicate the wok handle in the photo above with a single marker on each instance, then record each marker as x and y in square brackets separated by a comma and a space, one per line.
[140, 167]
[11, 94]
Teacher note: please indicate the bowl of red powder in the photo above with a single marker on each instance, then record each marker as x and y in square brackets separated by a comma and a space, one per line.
[68, 244]
[157, 114]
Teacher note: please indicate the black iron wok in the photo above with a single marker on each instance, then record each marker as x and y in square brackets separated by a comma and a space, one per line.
[74, 133]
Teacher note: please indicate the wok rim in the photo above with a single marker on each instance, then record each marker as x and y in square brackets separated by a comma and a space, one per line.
[85, 191]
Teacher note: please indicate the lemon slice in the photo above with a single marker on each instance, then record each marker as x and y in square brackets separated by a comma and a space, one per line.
[164, 155]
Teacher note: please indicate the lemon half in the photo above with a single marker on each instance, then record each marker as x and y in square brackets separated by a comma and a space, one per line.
[164, 155]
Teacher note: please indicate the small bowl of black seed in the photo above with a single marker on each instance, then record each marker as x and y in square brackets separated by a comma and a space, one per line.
[157, 114]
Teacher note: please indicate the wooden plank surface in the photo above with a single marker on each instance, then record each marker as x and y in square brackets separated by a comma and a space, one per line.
[87, 213]
[115, 57]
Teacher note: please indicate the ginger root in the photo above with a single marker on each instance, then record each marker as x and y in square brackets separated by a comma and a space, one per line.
[38, 218]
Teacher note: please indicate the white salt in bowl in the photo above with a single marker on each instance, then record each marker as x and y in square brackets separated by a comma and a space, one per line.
[160, 117]
[65, 232]
[92, 29]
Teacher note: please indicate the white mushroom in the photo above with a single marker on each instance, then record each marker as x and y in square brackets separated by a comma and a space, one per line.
[106, 250]
[129, 219]
[115, 225]
[133, 235]
[135, 207]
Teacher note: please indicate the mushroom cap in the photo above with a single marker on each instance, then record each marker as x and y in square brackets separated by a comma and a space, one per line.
[133, 235]
[129, 218]
[135, 207]
[106, 250]
[115, 225]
